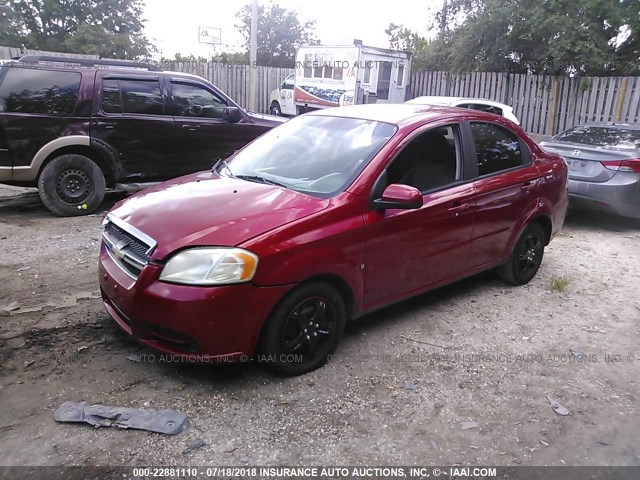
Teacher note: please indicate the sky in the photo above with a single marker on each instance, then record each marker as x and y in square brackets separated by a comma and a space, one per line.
[173, 26]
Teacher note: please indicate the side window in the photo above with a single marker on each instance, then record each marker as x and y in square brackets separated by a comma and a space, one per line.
[288, 83]
[141, 97]
[49, 92]
[195, 101]
[430, 161]
[497, 148]
[308, 65]
[367, 73]
[111, 102]
[400, 81]
[486, 108]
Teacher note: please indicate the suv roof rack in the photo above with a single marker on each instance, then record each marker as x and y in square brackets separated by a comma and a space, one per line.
[87, 62]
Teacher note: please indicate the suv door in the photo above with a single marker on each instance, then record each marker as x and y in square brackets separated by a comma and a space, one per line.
[506, 188]
[408, 250]
[201, 131]
[131, 117]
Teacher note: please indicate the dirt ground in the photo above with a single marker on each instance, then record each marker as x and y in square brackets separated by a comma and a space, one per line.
[456, 376]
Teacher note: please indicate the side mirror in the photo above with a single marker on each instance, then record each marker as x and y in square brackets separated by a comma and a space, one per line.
[397, 195]
[232, 114]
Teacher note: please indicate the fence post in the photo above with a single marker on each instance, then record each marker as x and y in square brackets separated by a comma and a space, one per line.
[554, 106]
[621, 94]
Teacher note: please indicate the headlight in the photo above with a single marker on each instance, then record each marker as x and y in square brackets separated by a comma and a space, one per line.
[210, 266]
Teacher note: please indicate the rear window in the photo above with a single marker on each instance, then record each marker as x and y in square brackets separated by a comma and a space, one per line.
[602, 136]
[49, 92]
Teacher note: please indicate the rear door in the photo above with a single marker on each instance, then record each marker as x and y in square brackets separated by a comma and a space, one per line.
[506, 185]
[132, 117]
[202, 134]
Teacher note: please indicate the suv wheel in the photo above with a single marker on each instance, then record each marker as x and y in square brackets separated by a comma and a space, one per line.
[71, 185]
[275, 109]
[304, 329]
[526, 257]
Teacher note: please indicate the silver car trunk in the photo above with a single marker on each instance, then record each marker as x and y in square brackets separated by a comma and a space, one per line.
[584, 160]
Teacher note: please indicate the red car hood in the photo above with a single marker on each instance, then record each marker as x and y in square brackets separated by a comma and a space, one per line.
[205, 209]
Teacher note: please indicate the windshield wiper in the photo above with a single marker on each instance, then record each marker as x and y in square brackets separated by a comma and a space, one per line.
[259, 179]
[223, 162]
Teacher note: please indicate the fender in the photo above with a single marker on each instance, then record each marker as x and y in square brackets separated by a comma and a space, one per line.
[29, 173]
[541, 208]
[109, 154]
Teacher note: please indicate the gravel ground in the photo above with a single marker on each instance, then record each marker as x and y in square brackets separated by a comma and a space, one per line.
[459, 375]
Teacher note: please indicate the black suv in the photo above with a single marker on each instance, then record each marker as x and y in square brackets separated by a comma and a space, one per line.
[73, 127]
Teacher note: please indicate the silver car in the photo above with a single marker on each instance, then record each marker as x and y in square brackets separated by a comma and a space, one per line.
[604, 166]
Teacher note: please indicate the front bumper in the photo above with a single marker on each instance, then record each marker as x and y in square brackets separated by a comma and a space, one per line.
[620, 195]
[195, 323]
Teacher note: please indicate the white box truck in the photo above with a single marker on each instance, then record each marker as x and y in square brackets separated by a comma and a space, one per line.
[330, 76]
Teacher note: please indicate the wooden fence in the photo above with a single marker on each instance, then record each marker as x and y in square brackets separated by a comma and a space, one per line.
[544, 104]
[234, 79]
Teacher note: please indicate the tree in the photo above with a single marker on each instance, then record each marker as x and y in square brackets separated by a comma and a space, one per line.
[279, 34]
[108, 28]
[590, 37]
[427, 54]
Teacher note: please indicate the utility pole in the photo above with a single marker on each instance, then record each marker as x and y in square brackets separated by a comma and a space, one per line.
[253, 55]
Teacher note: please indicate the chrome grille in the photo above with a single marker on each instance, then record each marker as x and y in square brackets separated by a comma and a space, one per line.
[127, 246]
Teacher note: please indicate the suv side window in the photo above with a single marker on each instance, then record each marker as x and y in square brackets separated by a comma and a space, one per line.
[125, 95]
[497, 148]
[141, 97]
[49, 92]
[111, 101]
[196, 101]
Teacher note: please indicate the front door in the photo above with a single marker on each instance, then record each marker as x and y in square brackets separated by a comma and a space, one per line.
[131, 117]
[202, 133]
[409, 250]
[287, 104]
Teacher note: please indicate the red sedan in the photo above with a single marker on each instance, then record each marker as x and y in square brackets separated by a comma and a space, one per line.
[327, 217]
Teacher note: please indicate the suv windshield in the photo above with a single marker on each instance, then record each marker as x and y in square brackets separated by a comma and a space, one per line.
[602, 136]
[319, 155]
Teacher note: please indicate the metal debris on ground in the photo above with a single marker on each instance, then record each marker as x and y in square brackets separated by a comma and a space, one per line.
[191, 446]
[559, 409]
[577, 353]
[468, 425]
[169, 421]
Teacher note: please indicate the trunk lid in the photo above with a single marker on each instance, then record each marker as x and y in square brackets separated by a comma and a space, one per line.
[585, 161]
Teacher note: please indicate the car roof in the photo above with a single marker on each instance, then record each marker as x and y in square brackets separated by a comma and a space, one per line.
[398, 114]
[442, 100]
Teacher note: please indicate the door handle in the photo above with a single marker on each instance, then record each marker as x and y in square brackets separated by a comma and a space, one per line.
[458, 209]
[528, 187]
[106, 125]
[191, 128]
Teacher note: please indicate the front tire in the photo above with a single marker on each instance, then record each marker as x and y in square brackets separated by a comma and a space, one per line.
[526, 257]
[304, 329]
[275, 109]
[71, 185]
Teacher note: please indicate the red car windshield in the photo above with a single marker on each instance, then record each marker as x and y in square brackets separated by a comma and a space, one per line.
[319, 155]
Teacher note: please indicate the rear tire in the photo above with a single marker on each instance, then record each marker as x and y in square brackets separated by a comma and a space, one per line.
[71, 185]
[303, 330]
[526, 257]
